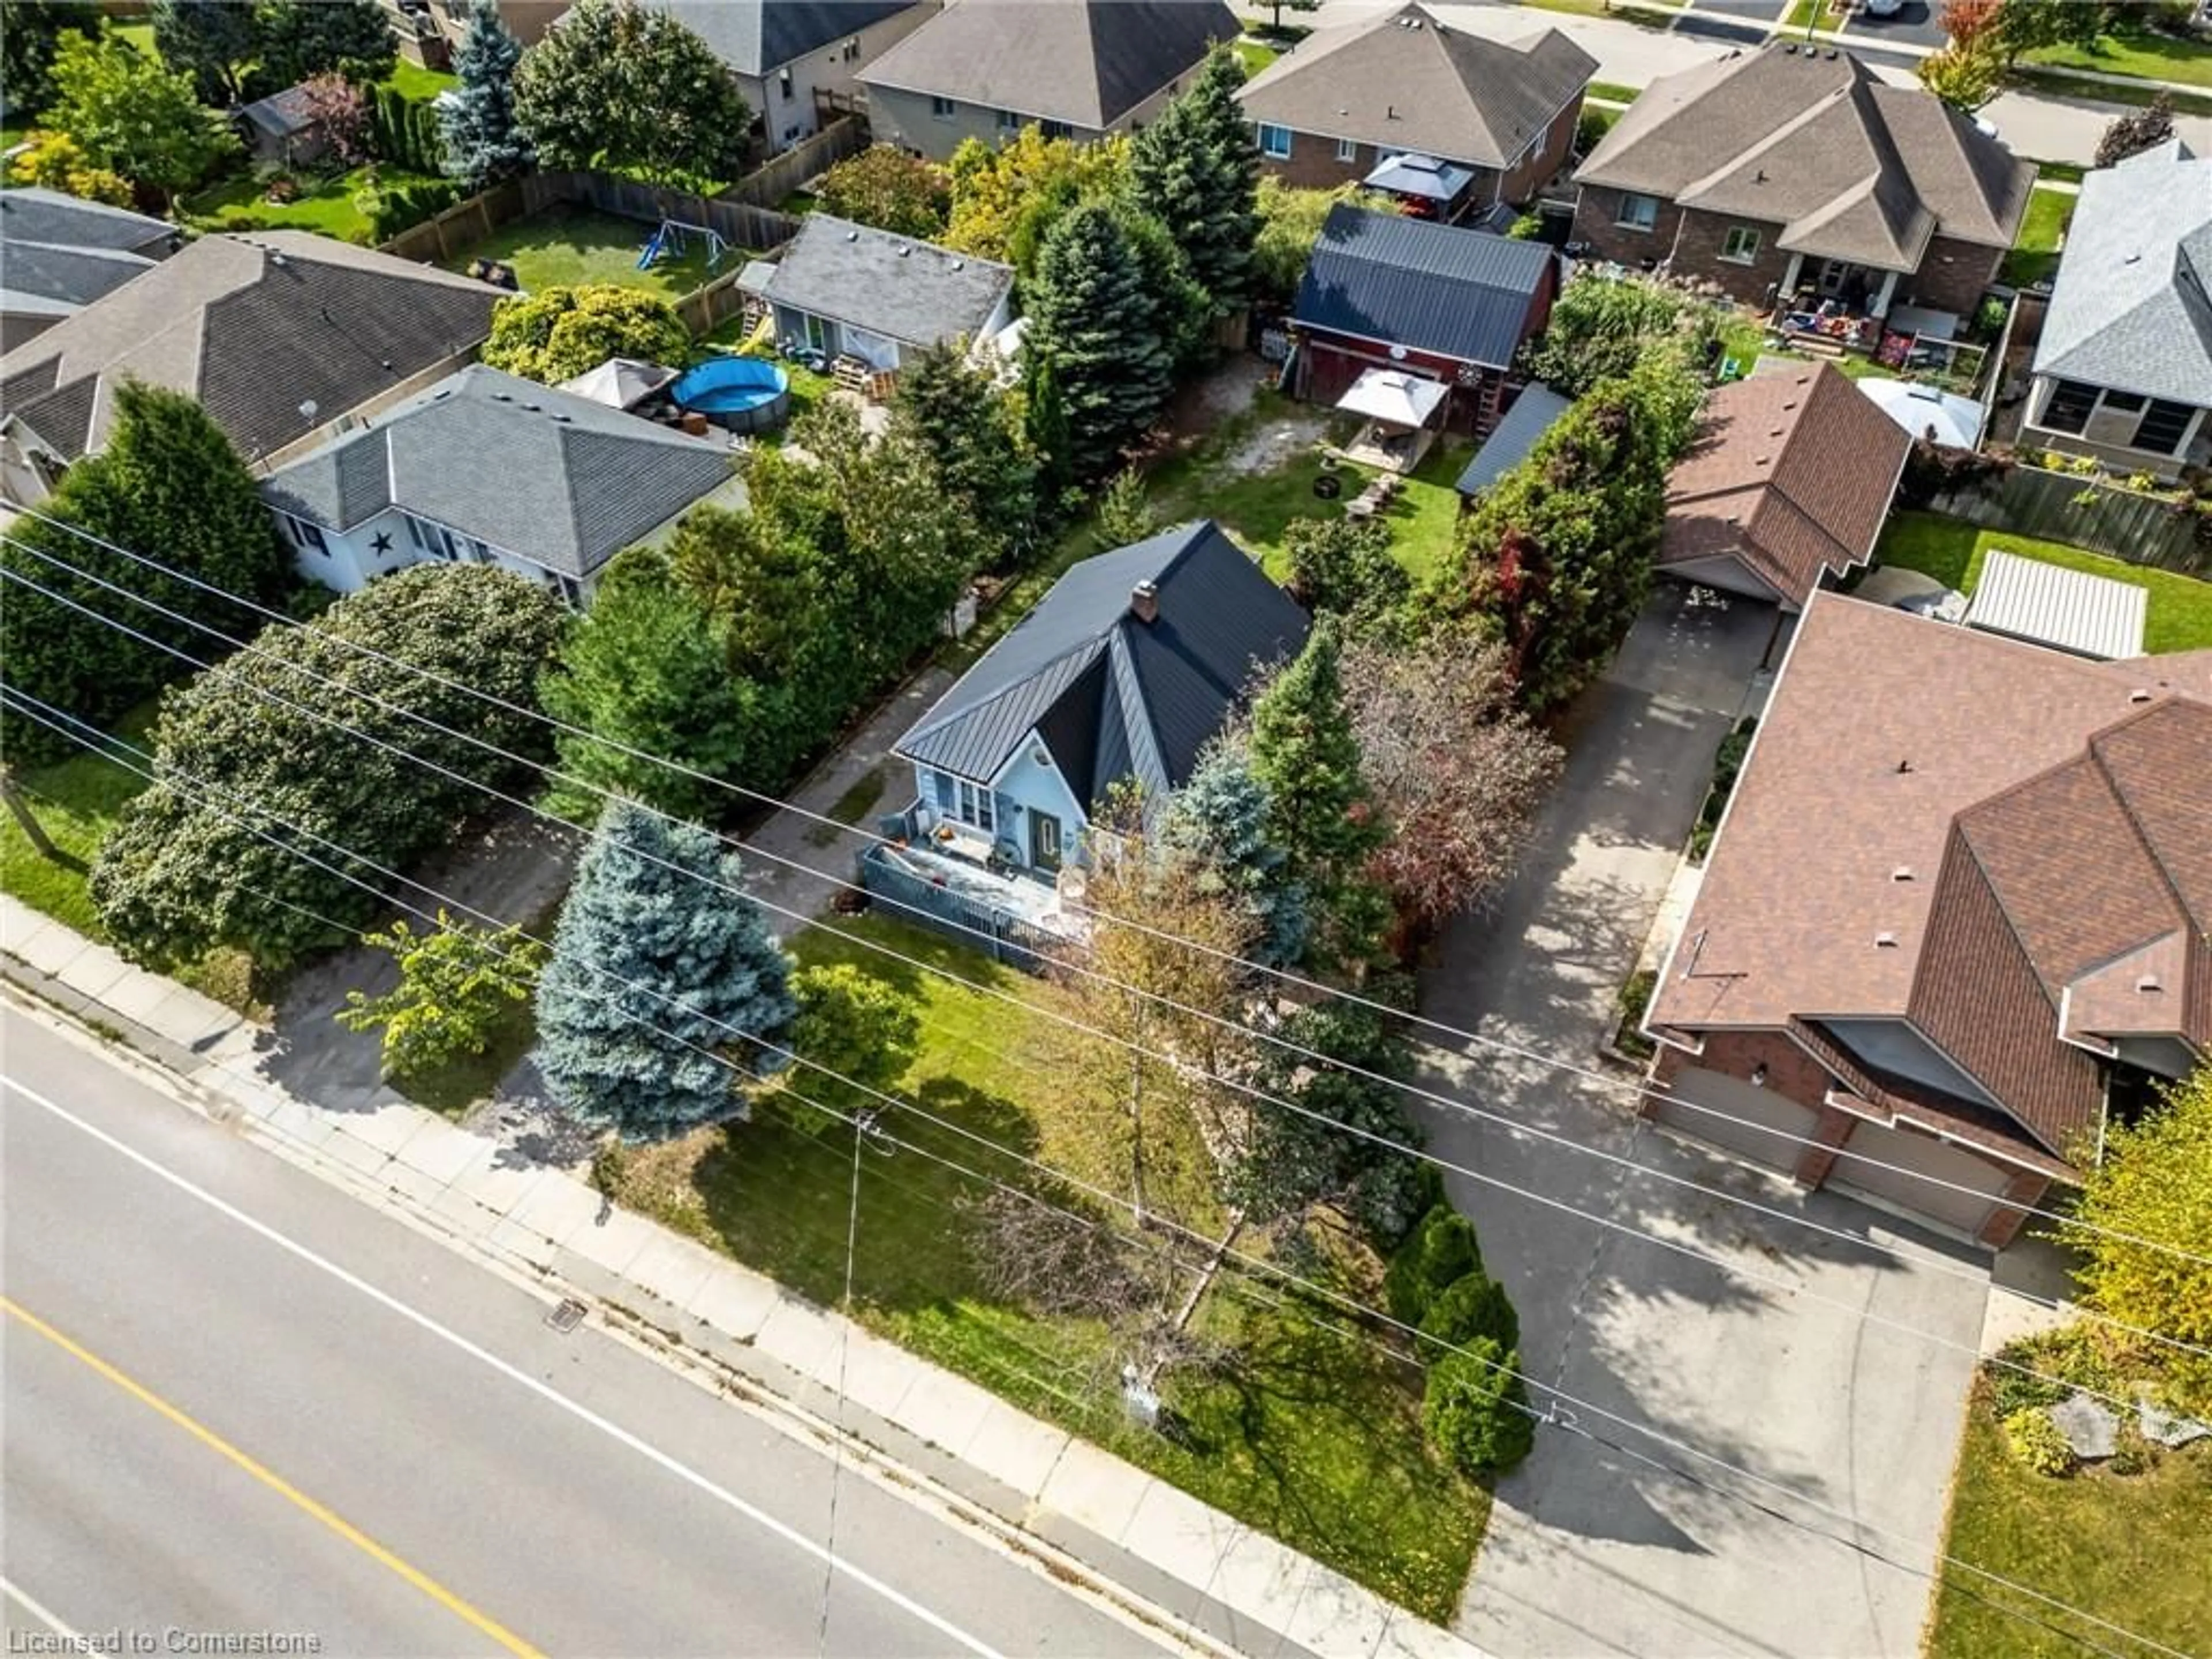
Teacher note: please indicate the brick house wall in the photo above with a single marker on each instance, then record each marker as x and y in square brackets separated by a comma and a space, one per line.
[1698, 253]
[1953, 275]
[1312, 163]
[1522, 182]
[1597, 213]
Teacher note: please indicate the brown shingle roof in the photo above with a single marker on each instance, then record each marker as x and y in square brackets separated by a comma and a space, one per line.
[253, 326]
[1958, 830]
[1849, 166]
[1403, 81]
[1791, 475]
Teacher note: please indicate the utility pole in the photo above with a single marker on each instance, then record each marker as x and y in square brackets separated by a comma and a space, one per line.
[21, 811]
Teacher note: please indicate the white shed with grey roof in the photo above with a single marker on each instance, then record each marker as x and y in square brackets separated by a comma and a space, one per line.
[2069, 610]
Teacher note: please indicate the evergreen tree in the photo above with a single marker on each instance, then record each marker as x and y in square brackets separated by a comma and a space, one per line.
[168, 485]
[644, 667]
[969, 429]
[483, 143]
[1306, 755]
[654, 962]
[1097, 326]
[300, 37]
[1218, 819]
[211, 40]
[1197, 170]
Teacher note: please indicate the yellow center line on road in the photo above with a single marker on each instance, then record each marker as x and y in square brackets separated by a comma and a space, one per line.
[276, 1483]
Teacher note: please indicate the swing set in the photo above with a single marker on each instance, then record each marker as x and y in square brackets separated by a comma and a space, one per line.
[669, 241]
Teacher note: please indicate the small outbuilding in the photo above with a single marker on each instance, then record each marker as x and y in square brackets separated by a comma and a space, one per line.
[284, 128]
[2069, 610]
[1533, 413]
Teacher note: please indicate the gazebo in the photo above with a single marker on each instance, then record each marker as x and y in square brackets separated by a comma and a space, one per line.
[1427, 186]
[1398, 406]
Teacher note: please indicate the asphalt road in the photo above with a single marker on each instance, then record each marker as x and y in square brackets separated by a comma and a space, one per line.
[237, 1402]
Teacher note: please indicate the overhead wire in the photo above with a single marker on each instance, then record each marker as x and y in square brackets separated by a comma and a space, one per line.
[1511, 1124]
[1640, 1089]
[31, 707]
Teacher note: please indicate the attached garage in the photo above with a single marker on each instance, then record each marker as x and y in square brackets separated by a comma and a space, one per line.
[1737, 1113]
[1904, 1156]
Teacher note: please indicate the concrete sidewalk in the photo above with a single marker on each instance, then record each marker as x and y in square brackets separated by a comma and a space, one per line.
[1135, 1538]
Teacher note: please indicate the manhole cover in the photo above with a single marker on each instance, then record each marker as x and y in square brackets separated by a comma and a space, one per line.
[567, 1315]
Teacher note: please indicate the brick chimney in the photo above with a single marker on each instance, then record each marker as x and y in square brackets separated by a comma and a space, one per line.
[1145, 602]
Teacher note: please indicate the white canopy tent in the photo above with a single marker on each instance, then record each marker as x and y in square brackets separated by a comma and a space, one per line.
[1957, 420]
[619, 382]
[1397, 405]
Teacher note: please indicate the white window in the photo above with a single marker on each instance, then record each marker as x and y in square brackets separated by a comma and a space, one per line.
[971, 804]
[1637, 212]
[1007, 120]
[1740, 245]
[1347, 149]
[1274, 141]
[941, 108]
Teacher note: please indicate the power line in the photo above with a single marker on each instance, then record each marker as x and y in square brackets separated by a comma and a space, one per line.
[1640, 1089]
[1512, 1125]
[1550, 1418]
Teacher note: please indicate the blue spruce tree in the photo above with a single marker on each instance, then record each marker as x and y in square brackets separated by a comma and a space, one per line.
[1220, 819]
[653, 962]
[483, 144]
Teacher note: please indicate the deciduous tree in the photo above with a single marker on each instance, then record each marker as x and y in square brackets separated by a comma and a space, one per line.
[170, 487]
[30, 42]
[1603, 326]
[2142, 1230]
[885, 187]
[2137, 131]
[628, 89]
[456, 982]
[281, 764]
[133, 117]
[214, 41]
[1343, 567]
[1290, 220]
[1006, 199]
[1456, 768]
[645, 671]
[335, 105]
[483, 141]
[557, 333]
[1196, 169]
[666, 993]
[298, 38]
[1965, 77]
[54, 160]
[856, 1035]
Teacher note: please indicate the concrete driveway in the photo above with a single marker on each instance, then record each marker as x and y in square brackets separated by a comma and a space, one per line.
[1590, 1550]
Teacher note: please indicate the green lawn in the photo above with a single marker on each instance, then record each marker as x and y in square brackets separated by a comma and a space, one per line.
[417, 84]
[1315, 1436]
[1952, 551]
[2067, 172]
[2107, 91]
[75, 801]
[2139, 52]
[2034, 255]
[1256, 55]
[325, 205]
[1612, 92]
[570, 244]
[2130, 1549]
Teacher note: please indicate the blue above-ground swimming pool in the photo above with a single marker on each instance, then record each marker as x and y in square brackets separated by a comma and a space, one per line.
[744, 394]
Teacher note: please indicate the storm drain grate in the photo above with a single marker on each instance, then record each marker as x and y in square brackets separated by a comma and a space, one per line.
[567, 1315]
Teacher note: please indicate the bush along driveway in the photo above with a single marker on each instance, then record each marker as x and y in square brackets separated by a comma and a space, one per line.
[1592, 1549]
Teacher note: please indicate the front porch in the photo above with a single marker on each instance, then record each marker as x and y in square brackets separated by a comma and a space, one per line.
[963, 885]
[1833, 305]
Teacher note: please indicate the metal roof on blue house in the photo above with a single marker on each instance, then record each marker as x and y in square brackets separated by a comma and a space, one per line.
[1442, 288]
[1111, 695]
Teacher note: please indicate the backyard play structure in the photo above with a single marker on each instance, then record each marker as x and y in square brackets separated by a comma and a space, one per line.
[668, 240]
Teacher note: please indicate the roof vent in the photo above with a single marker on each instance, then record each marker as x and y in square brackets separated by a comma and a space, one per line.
[1885, 940]
[502, 397]
[960, 265]
[1145, 602]
[904, 250]
[1774, 432]
[1903, 872]
[1904, 767]
[276, 257]
[2139, 695]
[2149, 983]
[534, 409]
[564, 419]
[1762, 460]
[852, 236]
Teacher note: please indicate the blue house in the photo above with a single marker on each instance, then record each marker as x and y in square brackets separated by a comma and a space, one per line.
[1122, 671]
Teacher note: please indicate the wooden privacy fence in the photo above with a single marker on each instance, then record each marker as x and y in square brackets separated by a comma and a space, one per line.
[463, 227]
[2058, 506]
[767, 185]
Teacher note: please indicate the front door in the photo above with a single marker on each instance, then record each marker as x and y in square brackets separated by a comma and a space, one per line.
[1044, 841]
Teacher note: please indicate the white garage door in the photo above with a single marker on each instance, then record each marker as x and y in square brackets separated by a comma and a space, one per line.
[1915, 1155]
[1738, 1112]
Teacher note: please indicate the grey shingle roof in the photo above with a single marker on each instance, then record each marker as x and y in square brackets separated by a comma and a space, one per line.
[914, 292]
[1513, 437]
[64, 278]
[34, 214]
[1113, 697]
[758, 37]
[1849, 166]
[1087, 63]
[1406, 81]
[556, 478]
[253, 326]
[282, 114]
[2132, 307]
[1463, 294]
